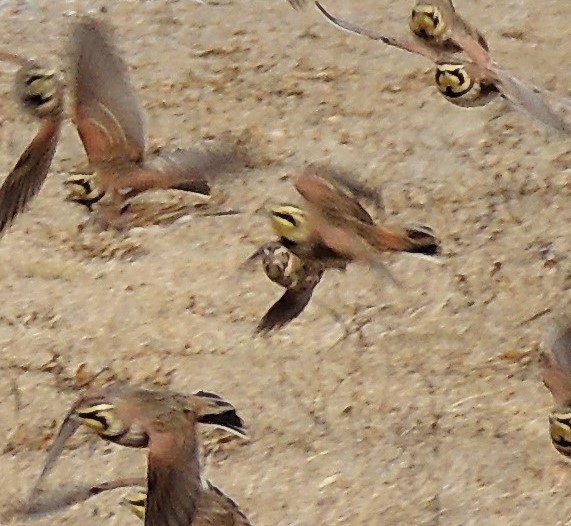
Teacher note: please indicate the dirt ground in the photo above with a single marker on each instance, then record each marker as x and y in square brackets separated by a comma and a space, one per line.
[419, 405]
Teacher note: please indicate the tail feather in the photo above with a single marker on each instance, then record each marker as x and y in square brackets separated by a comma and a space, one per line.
[416, 240]
[214, 410]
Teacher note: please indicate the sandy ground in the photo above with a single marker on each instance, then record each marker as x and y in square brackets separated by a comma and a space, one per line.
[377, 406]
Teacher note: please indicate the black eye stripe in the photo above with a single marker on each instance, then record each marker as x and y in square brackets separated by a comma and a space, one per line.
[98, 418]
[287, 217]
[34, 78]
[37, 99]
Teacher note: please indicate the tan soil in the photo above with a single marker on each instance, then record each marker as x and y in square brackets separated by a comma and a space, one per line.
[377, 406]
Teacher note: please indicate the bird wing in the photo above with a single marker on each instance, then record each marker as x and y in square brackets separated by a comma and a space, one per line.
[68, 427]
[336, 192]
[289, 306]
[68, 496]
[529, 100]
[190, 170]
[217, 509]
[412, 46]
[105, 109]
[29, 173]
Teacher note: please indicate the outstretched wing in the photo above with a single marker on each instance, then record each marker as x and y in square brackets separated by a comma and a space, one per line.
[411, 46]
[105, 108]
[189, 170]
[65, 497]
[29, 174]
[288, 307]
[332, 194]
[530, 100]
[69, 426]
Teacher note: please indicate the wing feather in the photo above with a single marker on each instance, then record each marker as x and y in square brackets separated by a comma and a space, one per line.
[105, 109]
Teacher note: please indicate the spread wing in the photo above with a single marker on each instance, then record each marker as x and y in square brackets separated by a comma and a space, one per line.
[69, 426]
[412, 46]
[530, 100]
[29, 173]
[289, 306]
[105, 108]
[323, 189]
[65, 497]
[189, 170]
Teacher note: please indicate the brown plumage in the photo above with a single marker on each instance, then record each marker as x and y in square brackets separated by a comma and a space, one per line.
[40, 94]
[109, 121]
[213, 507]
[162, 421]
[438, 24]
[340, 222]
[556, 371]
[468, 82]
[299, 278]
[556, 363]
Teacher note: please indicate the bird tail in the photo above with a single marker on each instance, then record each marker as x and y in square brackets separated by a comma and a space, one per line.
[213, 410]
[413, 239]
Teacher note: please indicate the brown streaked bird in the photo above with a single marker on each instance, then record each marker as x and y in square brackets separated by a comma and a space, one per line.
[470, 82]
[334, 229]
[109, 121]
[162, 421]
[299, 278]
[213, 507]
[438, 24]
[556, 370]
[40, 93]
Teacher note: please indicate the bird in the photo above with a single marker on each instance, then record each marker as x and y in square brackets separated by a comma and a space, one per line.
[438, 24]
[334, 229]
[40, 93]
[109, 122]
[213, 507]
[299, 277]
[162, 421]
[556, 371]
[466, 82]
[83, 189]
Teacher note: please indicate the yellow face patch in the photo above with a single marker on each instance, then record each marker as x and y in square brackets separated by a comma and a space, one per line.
[453, 80]
[101, 418]
[426, 22]
[560, 428]
[288, 222]
[137, 502]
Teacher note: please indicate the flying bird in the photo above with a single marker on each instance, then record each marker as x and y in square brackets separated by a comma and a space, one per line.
[468, 82]
[40, 93]
[162, 421]
[109, 121]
